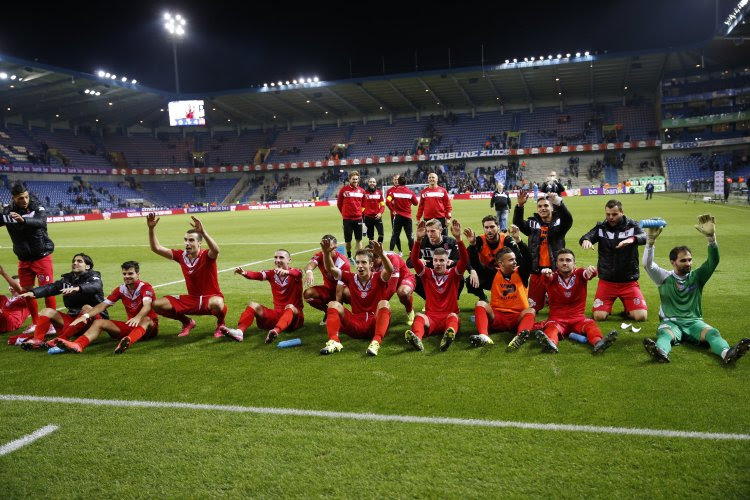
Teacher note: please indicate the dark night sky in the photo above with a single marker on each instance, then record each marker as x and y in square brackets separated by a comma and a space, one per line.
[233, 45]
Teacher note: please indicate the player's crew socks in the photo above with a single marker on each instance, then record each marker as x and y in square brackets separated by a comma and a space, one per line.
[285, 320]
[716, 342]
[33, 309]
[452, 322]
[527, 322]
[136, 334]
[246, 319]
[82, 341]
[592, 332]
[480, 316]
[551, 332]
[42, 325]
[333, 324]
[664, 341]
[72, 331]
[418, 326]
[382, 320]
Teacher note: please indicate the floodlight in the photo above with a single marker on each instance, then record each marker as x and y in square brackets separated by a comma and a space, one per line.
[315, 79]
[114, 77]
[134, 81]
[567, 55]
[124, 79]
[86, 91]
[273, 84]
[278, 83]
[586, 53]
[100, 73]
[507, 61]
[578, 54]
[287, 82]
[515, 60]
[4, 76]
[559, 56]
[309, 80]
[107, 75]
[294, 82]
[13, 77]
[525, 59]
[98, 93]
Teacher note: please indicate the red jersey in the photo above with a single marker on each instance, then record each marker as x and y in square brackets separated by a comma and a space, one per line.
[400, 269]
[201, 276]
[373, 204]
[285, 289]
[400, 200]
[364, 296]
[133, 301]
[434, 203]
[339, 261]
[350, 202]
[441, 292]
[567, 298]
[13, 312]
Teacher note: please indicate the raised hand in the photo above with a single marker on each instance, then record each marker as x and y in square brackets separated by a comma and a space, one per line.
[515, 233]
[238, 270]
[471, 236]
[587, 245]
[652, 233]
[197, 224]
[456, 229]
[377, 248]
[523, 195]
[421, 229]
[152, 220]
[706, 226]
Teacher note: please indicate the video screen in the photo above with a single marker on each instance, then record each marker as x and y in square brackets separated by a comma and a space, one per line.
[182, 113]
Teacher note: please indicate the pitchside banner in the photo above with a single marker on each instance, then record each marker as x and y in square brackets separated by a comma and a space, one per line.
[719, 183]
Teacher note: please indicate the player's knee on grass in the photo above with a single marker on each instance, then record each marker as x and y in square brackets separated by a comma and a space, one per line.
[638, 315]
[600, 315]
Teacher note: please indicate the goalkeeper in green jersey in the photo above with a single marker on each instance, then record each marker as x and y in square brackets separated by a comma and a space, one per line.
[681, 292]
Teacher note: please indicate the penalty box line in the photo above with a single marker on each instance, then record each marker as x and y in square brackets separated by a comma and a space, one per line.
[375, 417]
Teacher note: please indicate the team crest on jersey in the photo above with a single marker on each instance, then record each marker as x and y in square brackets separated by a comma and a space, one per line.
[363, 290]
[440, 281]
[598, 303]
[567, 294]
[281, 281]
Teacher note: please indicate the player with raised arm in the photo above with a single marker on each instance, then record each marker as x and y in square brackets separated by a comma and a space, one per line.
[618, 238]
[286, 288]
[142, 323]
[319, 296]
[371, 313]
[509, 308]
[566, 289]
[26, 222]
[198, 266]
[681, 293]
[350, 203]
[441, 291]
[81, 289]
[546, 231]
[487, 245]
[13, 309]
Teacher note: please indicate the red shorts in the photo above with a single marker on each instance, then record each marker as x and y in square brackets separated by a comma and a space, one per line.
[125, 330]
[268, 319]
[359, 325]
[439, 323]
[504, 321]
[629, 293]
[41, 269]
[566, 327]
[537, 291]
[191, 304]
[326, 294]
[410, 281]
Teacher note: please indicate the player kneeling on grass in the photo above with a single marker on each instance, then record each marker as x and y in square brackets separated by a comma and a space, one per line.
[13, 309]
[681, 293]
[509, 307]
[371, 313]
[198, 266]
[441, 291]
[286, 288]
[137, 297]
[566, 294]
[81, 290]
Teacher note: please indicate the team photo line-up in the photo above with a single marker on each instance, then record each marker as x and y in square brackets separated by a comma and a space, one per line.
[522, 278]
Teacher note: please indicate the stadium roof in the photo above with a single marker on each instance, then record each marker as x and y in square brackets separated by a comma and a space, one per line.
[52, 94]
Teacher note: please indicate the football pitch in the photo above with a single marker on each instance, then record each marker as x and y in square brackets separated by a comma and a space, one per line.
[203, 417]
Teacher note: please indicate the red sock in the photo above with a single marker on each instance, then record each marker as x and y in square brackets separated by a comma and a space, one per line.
[452, 322]
[592, 332]
[526, 323]
[42, 325]
[72, 331]
[285, 320]
[382, 320]
[50, 302]
[135, 335]
[221, 315]
[333, 324]
[551, 332]
[246, 319]
[418, 326]
[82, 341]
[483, 322]
[33, 309]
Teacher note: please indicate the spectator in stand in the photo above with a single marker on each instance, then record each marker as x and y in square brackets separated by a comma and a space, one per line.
[501, 203]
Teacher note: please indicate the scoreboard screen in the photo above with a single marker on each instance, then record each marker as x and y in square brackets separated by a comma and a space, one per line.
[182, 113]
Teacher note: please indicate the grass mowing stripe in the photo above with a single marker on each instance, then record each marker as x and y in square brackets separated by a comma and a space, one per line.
[27, 439]
[375, 417]
[233, 268]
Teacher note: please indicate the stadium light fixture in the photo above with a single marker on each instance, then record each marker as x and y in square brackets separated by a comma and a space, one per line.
[287, 82]
[626, 87]
[559, 56]
[8, 109]
[315, 79]
[525, 59]
[98, 93]
[309, 80]
[578, 54]
[532, 58]
[114, 77]
[294, 82]
[559, 93]
[161, 109]
[97, 119]
[4, 76]
[106, 75]
[100, 73]
[175, 26]
[279, 83]
[57, 116]
[586, 53]
[133, 81]
[124, 79]
[557, 79]
[515, 60]
[567, 55]
[273, 84]
[87, 91]
[507, 61]
[109, 103]
[549, 56]
[13, 77]
[140, 121]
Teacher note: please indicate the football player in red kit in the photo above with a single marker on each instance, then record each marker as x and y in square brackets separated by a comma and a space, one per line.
[319, 296]
[441, 291]
[566, 291]
[286, 288]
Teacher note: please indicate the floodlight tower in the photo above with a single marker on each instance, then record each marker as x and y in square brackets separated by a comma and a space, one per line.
[175, 26]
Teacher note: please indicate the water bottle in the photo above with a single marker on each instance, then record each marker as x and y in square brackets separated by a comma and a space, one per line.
[578, 338]
[289, 343]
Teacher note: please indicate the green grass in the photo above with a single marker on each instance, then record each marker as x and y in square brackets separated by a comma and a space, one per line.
[103, 451]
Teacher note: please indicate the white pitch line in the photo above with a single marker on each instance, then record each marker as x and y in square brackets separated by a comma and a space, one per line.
[375, 417]
[27, 439]
[233, 268]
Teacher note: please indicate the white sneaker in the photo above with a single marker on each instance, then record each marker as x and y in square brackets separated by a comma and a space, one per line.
[51, 330]
[331, 347]
[232, 333]
[30, 329]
